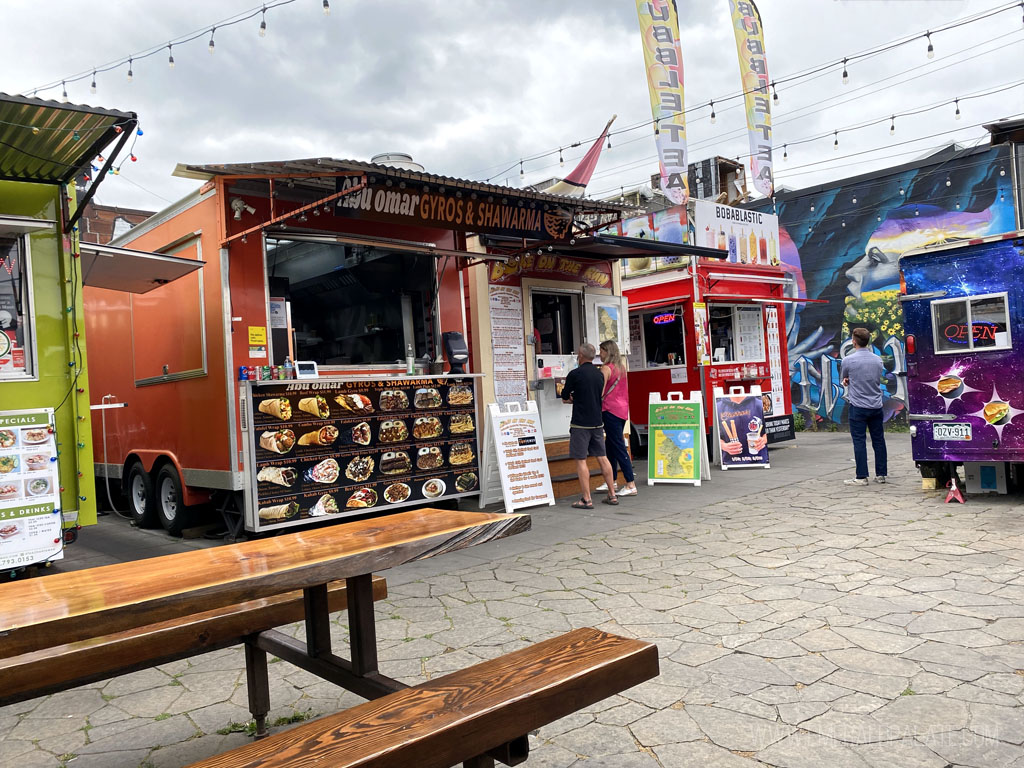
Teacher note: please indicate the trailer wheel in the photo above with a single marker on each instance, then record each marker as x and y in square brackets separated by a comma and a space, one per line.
[141, 500]
[174, 515]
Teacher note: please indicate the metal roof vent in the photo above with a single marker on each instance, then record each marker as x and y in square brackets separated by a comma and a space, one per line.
[398, 160]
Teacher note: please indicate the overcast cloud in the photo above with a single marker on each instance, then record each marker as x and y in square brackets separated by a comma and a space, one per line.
[470, 86]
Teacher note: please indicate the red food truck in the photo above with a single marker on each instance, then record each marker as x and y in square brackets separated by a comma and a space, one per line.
[711, 317]
[299, 374]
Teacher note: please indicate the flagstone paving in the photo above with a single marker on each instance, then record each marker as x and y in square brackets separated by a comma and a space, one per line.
[799, 623]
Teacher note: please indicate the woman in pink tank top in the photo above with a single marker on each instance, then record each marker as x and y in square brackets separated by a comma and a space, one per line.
[615, 411]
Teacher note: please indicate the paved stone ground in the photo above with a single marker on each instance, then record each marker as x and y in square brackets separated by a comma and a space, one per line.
[799, 623]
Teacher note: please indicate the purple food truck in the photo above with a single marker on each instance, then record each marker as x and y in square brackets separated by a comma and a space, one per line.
[963, 309]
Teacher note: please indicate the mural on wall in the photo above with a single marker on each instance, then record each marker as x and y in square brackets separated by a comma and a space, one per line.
[842, 243]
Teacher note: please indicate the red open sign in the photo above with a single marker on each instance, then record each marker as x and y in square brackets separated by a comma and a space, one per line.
[668, 317]
[957, 332]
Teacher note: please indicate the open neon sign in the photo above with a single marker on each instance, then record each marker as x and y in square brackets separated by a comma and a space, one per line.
[957, 333]
[668, 317]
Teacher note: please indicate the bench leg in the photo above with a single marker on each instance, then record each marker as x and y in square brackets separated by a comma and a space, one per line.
[480, 761]
[258, 686]
[318, 621]
[362, 629]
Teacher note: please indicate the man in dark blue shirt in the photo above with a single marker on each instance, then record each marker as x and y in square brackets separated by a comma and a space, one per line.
[862, 372]
[583, 388]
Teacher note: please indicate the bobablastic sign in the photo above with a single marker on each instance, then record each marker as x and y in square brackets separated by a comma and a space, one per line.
[413, 204]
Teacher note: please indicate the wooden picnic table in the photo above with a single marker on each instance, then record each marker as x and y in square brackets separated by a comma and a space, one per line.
[39, 613]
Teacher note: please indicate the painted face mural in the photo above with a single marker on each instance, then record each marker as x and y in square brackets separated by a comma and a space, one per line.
[843, 243]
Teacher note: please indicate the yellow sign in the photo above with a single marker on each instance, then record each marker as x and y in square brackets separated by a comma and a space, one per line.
[746, 24]
[257, 335]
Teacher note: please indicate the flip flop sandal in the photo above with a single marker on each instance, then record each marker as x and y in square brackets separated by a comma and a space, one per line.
[613, 500]
[583, 504]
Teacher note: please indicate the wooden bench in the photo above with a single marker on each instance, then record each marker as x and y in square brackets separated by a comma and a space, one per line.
[49, 670]
[464, 717]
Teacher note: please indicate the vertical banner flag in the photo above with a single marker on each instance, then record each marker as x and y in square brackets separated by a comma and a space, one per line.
[746, 25]
[659, 29]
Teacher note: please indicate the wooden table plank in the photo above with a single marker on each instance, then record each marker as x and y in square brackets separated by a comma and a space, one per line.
[112, 598]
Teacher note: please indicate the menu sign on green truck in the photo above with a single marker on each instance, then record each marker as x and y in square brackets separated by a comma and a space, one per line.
[30, 521]
[327, 447]
[674, 440]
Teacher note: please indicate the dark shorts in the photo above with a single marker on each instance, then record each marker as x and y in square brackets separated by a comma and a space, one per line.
[586, 442]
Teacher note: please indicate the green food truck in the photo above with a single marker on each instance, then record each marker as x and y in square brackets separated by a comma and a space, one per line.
[47, 482]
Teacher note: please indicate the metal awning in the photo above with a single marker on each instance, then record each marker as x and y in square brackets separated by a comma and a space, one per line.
[619, 247]
[49, 142]
[383, 243]
[124, 269]
[19, 225]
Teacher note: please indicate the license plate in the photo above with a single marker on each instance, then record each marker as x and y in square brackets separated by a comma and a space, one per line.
[961, 432]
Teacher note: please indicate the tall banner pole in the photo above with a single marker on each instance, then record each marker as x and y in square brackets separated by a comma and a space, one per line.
[746, 26]
[659, 31]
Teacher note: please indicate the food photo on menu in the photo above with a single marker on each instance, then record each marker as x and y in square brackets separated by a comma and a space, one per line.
[9, 529]
[8, 438]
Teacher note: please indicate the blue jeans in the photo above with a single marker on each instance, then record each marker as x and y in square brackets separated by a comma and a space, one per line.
[615, 444]
[862, 420]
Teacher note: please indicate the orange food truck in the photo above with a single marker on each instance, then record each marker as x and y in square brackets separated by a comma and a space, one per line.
[712, 316]
[299, 375]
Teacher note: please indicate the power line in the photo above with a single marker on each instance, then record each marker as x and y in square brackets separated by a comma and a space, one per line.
[814, 70]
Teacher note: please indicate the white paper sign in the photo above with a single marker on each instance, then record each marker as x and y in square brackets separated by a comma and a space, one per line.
[278, 315]
[750, 237]
[30, 519]
[515, 448]
[775, 360]
[678, 375]
[509, 348]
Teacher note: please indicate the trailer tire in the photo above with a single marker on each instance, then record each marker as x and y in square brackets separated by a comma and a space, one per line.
[174, 515]
[141, 499]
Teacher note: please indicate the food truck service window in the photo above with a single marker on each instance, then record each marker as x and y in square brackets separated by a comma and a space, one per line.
[664, 337]
[17, 345]
[971, 324]
[354, 305]
[737, 334]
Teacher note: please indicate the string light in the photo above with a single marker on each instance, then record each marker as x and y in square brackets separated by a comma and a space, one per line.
[1002, 197]
[713, 116]
[957, 102]
[92, 86]
[64, 95]
[170, 57]
[949, 181]
[775, 94]
[522, 173]
[854, 199]
[327, 8]
[844, 223]
[657, 127]
[892, 126]
[931, 48]
[129, 70]
[785, 152]
[561, 160]
[1002, 171]
[902, 192]
[846, 75]
[212, 46]
[609, 141]
[812, 207]
[958, 205]
[263, 23]
[835, 146]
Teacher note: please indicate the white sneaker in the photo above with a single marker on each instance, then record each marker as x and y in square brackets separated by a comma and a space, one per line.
[880, 479]
[856, 481]
[603, 488]
[627, 492]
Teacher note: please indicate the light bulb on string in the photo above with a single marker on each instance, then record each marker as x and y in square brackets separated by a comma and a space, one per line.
[263, 22]
[917, 211]
[1002, 197]
[775, 94]
[92, 85]
[609, 141]
[522, 173]
[949, 181]
[170, 57]
[64, 95]
[957, 102]
[657, 128]
[812, 207]
[1002, 171]
[129, 70]
[846, 75]
[931, 48]
[902, 192]
[713, 116]
[561, 160]
[138, 131]
[785, 152]
[327, 8]
[212, 46]
[958, 205]
[835, 146]
[892, 126]
[854, 199]
[844, 223]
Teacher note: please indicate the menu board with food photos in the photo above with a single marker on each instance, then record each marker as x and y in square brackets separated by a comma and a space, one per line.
[327, 447]
[30, 520]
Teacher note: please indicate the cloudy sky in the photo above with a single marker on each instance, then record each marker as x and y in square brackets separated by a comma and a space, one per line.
[468, 87]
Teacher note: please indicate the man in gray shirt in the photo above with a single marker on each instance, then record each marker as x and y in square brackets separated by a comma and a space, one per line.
[862, 373]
